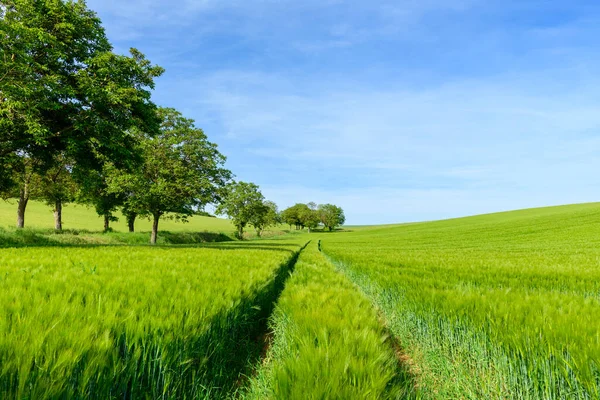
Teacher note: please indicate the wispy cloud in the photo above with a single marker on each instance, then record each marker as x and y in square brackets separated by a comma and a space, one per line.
[396, 110]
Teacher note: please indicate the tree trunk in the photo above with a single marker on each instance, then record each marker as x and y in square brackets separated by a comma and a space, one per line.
[309, 229]
[106, 222]
[58, 215]
[131, 221]
[23, 199]
[241, 233]
[154, 229]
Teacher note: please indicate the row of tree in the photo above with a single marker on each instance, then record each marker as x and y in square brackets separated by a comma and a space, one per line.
[312, 215]
[77, 123]
[246, 206]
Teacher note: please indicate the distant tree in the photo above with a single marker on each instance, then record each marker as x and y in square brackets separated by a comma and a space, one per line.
[244, 204]
[309, 216]
[331, 216]
[265, 217]
[129, 212]
[64, 93]
[290, 217]
[296, 215]
[181, 172]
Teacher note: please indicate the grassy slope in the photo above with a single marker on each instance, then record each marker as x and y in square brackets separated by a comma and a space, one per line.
[463, 293]
[39, 215]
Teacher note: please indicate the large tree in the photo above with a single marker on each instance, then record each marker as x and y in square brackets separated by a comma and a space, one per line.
[331, 215]
[63, 93]
[243, 203]
[181, 172]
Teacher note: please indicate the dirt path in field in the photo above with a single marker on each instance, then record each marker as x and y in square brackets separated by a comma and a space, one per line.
[265, 337]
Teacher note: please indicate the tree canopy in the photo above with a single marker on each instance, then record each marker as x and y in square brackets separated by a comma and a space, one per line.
[331, 216]
[244, 204]
[77, 123]
[64, 94]
[182, 172]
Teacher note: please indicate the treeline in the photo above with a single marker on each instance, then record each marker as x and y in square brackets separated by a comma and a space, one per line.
[246, 206]
[312, 215]
[77, 124]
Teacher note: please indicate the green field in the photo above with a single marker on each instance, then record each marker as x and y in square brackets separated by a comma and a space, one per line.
[102, 322]
[499, 306]
[496, 306]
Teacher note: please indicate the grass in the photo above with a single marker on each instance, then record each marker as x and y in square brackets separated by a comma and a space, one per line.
[128, 322]
[501, 305]
[83, 226]
[328, 341]
[79, 217]
[495, 306]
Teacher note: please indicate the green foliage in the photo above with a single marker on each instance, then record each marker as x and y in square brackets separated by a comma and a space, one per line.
[327, 343]
[265, 216]
[495, 306]
[331, 216]
[309, 216]
[295, 215]
[62, 89]
[244, 204]
[134, 322]
[180, 173]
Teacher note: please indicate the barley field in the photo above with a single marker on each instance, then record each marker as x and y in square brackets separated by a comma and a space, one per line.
[495, 306]
[498, 306]
[124, 321]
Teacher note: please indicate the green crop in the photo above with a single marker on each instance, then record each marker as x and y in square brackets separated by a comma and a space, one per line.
[503, 306]
[134, 322]
[328, 342]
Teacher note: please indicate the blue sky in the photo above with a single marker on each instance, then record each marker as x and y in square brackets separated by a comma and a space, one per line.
[397, 111]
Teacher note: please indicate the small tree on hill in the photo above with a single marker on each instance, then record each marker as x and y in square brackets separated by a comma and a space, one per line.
[58, 188]
[331, 216]
[244, 204]
[268, 216]
[309, 216]
[296, 215]
[94, 191]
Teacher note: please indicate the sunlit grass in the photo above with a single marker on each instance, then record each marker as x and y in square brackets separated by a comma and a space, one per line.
[328, 342]
[501, 305]
[133, 322]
